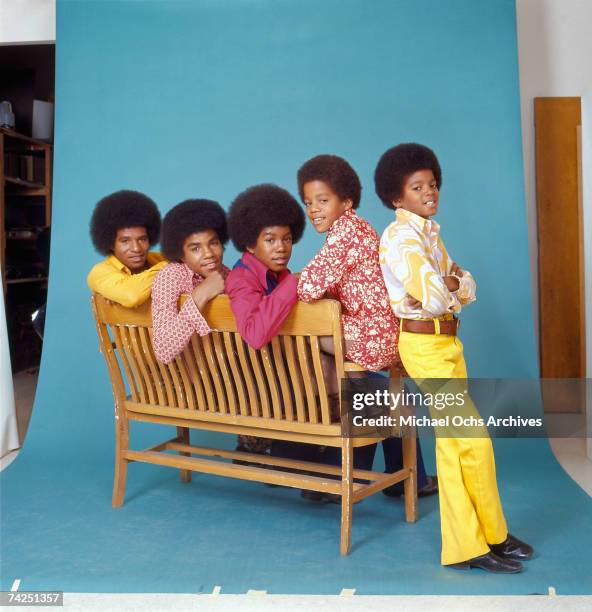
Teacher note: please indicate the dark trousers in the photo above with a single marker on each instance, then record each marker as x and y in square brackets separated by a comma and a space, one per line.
[393, 461]
[296, 450]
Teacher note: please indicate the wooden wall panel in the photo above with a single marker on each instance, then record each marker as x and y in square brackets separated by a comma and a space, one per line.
[560, 235]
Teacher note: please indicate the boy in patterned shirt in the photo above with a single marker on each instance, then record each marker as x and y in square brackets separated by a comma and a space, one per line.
[426, 290]
[346, 268]
[193, 237]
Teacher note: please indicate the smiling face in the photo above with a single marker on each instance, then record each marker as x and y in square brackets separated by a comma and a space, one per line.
[131, 248]
[323, 205]
[273, 247]
[202, 252]
[420, 194]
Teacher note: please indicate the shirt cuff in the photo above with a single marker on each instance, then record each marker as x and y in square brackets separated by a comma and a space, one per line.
[190, 311]
[466, 291]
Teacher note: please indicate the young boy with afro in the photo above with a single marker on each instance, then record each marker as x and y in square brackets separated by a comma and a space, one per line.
[427, 289]
[347, 269]
[264, 222]
[193, 237]
[124, 226]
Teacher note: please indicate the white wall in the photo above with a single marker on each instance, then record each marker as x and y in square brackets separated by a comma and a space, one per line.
[554, 51]
[27, 21]
[587, 197]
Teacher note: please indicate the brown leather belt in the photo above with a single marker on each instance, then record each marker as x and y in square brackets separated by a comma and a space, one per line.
[448, 328]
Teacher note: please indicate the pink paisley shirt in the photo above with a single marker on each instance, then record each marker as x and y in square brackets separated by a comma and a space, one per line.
[172, 328]
[347, 269]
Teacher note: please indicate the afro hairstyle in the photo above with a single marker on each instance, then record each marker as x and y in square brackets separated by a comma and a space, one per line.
[190, 217]
[397, 164]
[263, 206]
[120, 210]
[334, 171]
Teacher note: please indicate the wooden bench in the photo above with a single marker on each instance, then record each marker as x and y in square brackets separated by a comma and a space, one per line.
[221, 384]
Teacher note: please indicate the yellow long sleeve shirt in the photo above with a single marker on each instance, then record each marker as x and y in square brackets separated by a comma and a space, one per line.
[114, 281]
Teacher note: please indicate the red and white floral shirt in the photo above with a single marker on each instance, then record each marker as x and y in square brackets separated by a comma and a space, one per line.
[172, 328]
[347, 269]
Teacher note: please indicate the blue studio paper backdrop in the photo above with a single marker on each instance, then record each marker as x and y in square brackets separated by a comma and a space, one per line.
[205, 98]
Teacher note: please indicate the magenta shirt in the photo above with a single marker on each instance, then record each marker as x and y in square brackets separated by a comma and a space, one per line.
[260, 299]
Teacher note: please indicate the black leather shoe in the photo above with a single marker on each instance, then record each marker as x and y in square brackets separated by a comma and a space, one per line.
[431, 487]
[396, 490]
[490, 563]
[513, 548]
[315, 496]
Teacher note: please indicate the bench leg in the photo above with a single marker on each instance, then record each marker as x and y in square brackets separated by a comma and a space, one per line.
[346, 494]
[120, 478]
[183, 434]
[410, 483]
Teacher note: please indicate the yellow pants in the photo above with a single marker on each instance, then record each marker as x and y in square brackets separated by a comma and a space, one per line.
[471, 513]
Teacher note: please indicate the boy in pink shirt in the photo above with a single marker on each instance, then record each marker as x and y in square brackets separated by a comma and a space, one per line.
[263, 222]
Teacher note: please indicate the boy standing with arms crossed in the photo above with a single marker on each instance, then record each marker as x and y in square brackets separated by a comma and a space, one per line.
[426, 288]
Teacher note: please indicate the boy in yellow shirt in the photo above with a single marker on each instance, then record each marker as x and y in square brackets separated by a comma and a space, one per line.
[124, 226]
[426, 290]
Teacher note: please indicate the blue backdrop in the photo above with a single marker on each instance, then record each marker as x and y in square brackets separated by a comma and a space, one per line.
[187, 99]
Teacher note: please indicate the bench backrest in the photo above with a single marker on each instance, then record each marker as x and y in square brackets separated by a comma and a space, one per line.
[219, 373]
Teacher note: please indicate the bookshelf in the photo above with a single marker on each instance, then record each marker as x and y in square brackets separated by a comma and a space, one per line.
[25, 206]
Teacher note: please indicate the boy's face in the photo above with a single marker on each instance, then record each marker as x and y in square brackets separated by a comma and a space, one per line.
[273, 247]
[420, 194]
[131, 247]
[323, 205]
[202, 252]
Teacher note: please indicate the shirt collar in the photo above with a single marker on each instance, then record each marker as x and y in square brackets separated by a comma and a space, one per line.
[188, 271]
[260, 269]
[348, 214]
[151, 259]
[112, 260]
[425, 226]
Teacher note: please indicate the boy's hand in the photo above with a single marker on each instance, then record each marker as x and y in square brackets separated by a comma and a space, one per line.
[451, 283]
[412, 302]
[208, 289]
[455, 270]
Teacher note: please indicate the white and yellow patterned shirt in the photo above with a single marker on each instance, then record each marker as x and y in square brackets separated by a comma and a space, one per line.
[414, 261]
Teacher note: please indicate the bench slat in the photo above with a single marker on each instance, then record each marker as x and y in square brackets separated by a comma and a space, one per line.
[253, 407]
[194, 377]
[152, 364]
[295, 378]
[261, 384]
[269, 367]
[237, 378]
[208, 351]
[304, 361]
[278, 358]
[226, 379]
[204, 374]
[118, 338]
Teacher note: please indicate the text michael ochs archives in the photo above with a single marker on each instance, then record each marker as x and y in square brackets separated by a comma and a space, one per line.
[383, 400]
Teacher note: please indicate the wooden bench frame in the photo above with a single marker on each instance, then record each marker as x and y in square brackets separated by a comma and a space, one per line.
[220, 384]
